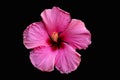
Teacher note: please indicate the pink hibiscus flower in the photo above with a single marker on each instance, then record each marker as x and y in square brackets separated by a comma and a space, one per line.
[54, 41]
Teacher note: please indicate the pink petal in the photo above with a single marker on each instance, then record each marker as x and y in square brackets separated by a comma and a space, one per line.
[77, 35]
[67, 60]
[56, 19]
[35, 35]
[43, 58]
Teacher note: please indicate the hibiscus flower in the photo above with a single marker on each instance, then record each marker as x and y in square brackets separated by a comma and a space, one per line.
[54, 41]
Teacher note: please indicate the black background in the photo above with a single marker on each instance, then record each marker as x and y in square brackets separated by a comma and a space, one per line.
[19, 14]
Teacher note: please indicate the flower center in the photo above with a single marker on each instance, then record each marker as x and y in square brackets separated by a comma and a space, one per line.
[55, 36]
[55, 41]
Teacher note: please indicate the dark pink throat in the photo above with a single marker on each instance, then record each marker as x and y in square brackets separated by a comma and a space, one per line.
[56, 44]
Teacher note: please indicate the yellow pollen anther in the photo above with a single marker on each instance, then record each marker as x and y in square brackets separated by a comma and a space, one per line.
[55, 36]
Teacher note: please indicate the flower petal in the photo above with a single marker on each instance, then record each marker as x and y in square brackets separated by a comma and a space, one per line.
[67, 60]
[43, 58]
[56, 19]
[77, 35]
[35, 35]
